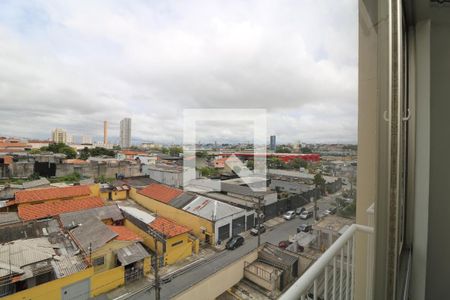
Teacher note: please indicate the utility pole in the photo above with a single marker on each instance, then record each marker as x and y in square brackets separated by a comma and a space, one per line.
[259, 221]
[157, 279]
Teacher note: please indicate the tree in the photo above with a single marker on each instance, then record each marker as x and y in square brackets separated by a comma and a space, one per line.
[208, 171]
[175, 150]
[61, 148]
[297, 163]
[69, 152]
[275, 163]
[85, 153]
[34, 151]
[319, 182]
[201, 154]
[250, 164]
[283, 149]
[306, 150]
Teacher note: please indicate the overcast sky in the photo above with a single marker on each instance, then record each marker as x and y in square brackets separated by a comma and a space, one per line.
[73, 64]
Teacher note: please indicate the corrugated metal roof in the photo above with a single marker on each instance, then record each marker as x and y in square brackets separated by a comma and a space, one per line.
[67, 265]
[35, 183]
[28, 230]
[94, 234]
[131, 254]
[141, 215]
[242, 190]
[182, 200]
[9, 218]
[276, 256]
[101, 213]
[25, 252]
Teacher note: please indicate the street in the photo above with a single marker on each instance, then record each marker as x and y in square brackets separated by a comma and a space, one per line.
[221, 259]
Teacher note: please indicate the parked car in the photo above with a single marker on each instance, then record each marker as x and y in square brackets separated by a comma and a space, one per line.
[289, 215]
[283, 244]
[331, 211]
[255, 230]
[304, 228]
[306, 215]
[234, 242]
[299, 210]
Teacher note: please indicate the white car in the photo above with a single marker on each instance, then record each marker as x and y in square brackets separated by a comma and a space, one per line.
[289, 215]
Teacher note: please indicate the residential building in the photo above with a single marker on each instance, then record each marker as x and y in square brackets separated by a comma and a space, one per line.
[60, 136]
[227, 220]
[36, 196]
[38, 258]
[171, 175]
[28, 212]
[8, 146]
[109, 215]
[37, 144]
[106, 247]
[86, 140]
[125, 133]
[171, 240]
[273, 143]
[114, 191]
[168, 202]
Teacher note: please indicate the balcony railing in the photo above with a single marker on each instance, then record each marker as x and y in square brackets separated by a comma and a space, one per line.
[332, 276]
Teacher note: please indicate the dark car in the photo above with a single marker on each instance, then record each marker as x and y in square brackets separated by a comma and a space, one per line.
[331, 211]
[235, 242]
[304, 228]
[255, 230]
[283, 244]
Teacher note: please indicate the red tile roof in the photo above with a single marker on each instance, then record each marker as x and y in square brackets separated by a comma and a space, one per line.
[167, 227]
[125, 234]
[160, 192]
[29, 212]
[28, 196]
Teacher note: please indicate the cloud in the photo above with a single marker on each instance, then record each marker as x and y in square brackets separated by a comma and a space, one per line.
[74, 64]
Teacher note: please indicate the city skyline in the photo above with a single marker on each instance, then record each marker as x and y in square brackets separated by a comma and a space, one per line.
[73, 66]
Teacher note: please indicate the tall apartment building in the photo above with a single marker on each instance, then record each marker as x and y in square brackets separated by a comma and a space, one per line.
[59, 135]
[86, 139]
[273, 142]
[125, 133]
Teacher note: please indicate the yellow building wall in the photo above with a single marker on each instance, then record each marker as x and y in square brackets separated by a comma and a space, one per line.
[173, 253]
[104, 195]
[193, 222]
[119, 195]
[106, 281]
[147, 265]
[95, 189]
[50, 290]
[107, 251]
[177, 252]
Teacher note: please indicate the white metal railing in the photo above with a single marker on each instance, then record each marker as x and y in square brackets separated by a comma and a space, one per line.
[339, 260]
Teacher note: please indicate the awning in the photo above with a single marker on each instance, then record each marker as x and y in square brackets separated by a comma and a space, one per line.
[131, 254]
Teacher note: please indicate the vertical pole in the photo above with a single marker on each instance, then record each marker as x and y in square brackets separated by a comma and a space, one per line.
[157, 283]
[259, 221]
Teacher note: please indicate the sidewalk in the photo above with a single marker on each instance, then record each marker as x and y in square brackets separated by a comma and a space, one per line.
[126, 291]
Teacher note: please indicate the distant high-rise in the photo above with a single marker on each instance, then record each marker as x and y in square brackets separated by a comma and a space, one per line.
[273, 142]
[86, 139]
[105, 132]
[125, 133]
[59, 135]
